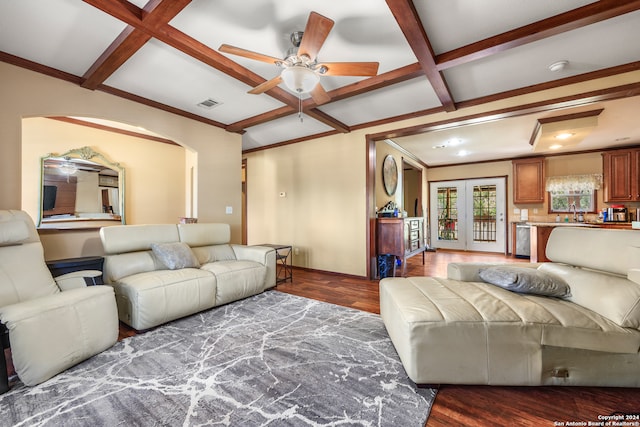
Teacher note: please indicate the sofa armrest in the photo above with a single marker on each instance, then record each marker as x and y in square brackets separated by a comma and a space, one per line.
[76, 279]
[52, 333]
[468, 271]
[262, 254]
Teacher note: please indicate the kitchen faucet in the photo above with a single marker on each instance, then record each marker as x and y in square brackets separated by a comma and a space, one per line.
[575, 212]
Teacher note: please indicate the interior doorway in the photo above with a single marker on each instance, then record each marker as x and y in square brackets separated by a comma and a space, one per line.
[412, 189]
[469, 214]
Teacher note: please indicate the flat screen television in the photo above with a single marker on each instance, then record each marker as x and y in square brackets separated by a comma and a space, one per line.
[49, 197]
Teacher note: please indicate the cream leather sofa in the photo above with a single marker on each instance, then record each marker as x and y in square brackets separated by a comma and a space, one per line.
[461, 330]
[52, 324]
[148, 293]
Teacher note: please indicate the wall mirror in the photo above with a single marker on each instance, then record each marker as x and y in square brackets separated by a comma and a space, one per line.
[80, 187]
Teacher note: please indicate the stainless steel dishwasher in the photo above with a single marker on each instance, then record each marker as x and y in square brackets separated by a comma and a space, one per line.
[523, 240]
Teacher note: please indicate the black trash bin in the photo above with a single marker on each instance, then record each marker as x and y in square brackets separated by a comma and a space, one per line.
[386, 265]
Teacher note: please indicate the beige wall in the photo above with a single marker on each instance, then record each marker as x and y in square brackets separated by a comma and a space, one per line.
[216, 162]
[323, 214]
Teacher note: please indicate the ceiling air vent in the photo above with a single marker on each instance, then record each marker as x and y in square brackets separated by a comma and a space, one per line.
[209, 103]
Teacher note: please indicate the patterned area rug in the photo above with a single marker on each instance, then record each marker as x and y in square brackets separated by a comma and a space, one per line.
[273, 359]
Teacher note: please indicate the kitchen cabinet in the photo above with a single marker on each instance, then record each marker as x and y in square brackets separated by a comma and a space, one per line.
[621, 173]
[528, 180]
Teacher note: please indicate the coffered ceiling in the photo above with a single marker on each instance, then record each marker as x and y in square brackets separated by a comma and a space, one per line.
[434, 56]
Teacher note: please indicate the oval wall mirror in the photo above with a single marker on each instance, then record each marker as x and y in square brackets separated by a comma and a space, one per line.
[80, 186]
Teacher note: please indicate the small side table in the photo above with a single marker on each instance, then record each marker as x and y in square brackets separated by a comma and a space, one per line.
[284, 267]
[69, 265]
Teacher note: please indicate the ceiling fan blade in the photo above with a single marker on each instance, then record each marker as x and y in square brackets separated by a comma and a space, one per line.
[225, 48]
[350, 68]
[319, 95]
[263, 87]
[315, 33]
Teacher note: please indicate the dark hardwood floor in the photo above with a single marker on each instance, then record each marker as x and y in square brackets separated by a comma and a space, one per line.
[474, 405]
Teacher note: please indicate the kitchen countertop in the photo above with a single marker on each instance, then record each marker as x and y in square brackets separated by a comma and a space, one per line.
[619, 225]
[564, 224]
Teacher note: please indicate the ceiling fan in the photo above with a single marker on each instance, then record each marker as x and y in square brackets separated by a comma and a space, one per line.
[301, 69]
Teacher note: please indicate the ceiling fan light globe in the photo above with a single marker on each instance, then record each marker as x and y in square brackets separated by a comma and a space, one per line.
[300, 79]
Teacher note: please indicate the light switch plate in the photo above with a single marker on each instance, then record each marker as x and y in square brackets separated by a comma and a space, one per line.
[229, 210]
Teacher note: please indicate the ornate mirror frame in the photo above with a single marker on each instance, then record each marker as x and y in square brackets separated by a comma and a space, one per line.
[85, 156]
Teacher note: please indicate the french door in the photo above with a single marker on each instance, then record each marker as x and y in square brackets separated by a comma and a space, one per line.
[468, 214]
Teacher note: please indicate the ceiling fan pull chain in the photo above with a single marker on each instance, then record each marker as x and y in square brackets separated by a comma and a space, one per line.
[300, 106]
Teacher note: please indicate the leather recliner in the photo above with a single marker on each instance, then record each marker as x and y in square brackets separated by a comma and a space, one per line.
[49, 330]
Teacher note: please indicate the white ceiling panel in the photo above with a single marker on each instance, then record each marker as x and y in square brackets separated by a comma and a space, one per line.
[281, 130]
[186, 83]
[67, 35]
[403, 98]
[452, 24]
[528, 65]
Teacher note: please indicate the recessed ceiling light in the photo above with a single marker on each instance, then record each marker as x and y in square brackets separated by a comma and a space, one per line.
[555, 147]
[564, 135]
[558, 66]
[462, 153]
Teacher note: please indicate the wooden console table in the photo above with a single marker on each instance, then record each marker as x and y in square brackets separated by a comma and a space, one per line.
[402, 237]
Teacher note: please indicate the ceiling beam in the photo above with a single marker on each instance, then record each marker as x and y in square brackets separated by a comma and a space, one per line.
[171, 36]
[577, 100]
[121, 49]
[407, 17]
[380, 81]
[571, 20]
[156, 12]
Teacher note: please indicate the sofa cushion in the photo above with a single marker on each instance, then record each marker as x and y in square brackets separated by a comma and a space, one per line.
[475, 332]
[151, 298]
[175, 255]
[236, 279]
[525, 281]
[213, 253]
[600, 249]
[13, 232]
[614, 297]
[118, 239]
[203, 234]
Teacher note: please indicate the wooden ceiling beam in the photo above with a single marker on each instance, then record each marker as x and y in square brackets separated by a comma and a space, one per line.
[380, 81]
[130, 40]
[407, 17]
[558, 24]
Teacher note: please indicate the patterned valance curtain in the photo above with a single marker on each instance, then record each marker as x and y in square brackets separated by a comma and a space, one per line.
[574, 183]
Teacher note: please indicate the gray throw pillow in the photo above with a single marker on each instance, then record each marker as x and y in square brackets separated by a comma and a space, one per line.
[526, 281]
[175, 256]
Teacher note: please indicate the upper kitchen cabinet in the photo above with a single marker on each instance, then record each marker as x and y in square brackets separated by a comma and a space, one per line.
[528, 180]
[621, 171]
